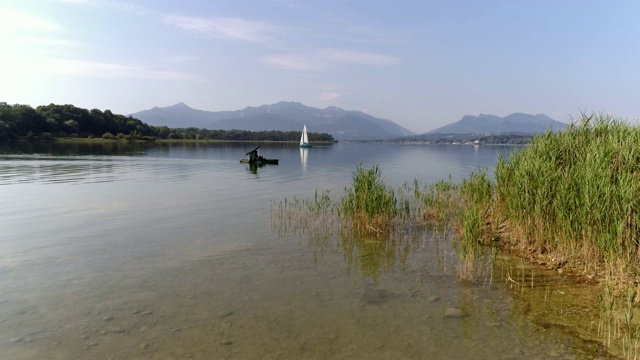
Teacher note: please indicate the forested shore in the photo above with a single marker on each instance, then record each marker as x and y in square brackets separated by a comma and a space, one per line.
[47, 122]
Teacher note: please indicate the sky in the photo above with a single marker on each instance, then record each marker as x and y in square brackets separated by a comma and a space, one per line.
[422, 64]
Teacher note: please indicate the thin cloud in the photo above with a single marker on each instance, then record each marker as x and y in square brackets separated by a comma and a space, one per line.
[358, 57]
[224, 28]
[15, 21]
[355, 34]
[324, 58]
[297, 62]
[109, 4]
[50, 42]
[330, 95]
[82, 2]
[107, 70]
[181, 59]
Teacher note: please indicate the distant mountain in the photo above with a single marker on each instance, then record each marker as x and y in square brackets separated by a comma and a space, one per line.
[283, 116]
[517, 123]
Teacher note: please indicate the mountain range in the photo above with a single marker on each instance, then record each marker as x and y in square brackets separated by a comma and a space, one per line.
[516, 123]
[341, 124]
[283, 116]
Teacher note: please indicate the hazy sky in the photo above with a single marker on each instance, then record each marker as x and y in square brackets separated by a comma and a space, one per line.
[422, 64]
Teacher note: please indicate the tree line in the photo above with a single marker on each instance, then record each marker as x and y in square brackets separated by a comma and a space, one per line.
[50, 121]
[164, 132]
[496, 139]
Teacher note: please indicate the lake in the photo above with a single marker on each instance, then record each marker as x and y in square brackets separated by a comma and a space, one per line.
[161, 251]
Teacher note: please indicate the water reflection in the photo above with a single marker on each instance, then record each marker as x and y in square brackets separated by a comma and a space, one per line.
[172, 258]
[369, 257]
[317, 222]
[50, 170]
[303, 158]
[253, 167]
[429, 260]
[76, 148]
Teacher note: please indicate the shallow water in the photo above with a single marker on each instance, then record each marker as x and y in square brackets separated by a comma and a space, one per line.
[167, 251]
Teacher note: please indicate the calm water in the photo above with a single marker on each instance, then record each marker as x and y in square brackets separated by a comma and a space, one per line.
[120, 251]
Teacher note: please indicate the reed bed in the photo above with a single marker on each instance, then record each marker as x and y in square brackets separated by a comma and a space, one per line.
[569, 201]
[377, 224]
[315, 218]
[574, 197]
[369, 205]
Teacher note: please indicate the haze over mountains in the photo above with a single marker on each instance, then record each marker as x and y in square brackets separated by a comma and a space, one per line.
[516, 123]
[284, 116]
[341, 124]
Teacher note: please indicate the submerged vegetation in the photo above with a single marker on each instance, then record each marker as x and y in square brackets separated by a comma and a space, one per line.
[570, 202]
[377, 224]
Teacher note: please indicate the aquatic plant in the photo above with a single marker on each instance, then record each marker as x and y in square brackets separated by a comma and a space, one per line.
[315, 216]
[378, 224]
[576, 194]
[369, 206]
[572, 199]
[370, 256]
[477, 226]
[438, 205]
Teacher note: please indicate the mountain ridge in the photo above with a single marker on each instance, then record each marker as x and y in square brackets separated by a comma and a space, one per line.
[283, 116]
[486, 124]
[341, 124]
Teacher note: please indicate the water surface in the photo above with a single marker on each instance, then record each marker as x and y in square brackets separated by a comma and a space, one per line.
[158, 251]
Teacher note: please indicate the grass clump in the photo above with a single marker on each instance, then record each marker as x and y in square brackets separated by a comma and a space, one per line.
[569, 200]
[378, 224]
[306, 216]
[437, 205]
[369, 206]
[572, 200]
[575, 195]
[477, 225]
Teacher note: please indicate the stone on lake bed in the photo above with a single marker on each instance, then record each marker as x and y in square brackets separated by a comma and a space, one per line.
[454, 313]
[373, 296]
[226, 313]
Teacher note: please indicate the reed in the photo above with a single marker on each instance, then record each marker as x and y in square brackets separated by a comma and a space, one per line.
[476, 223]
[377, 222]
[369, 206]
[439, 204]
[572, 199]
[313, 217]
[576, 194]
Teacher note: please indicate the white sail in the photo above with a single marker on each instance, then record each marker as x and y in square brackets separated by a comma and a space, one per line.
[304, 139]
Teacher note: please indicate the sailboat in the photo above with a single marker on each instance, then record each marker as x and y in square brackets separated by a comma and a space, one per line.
[304, 139]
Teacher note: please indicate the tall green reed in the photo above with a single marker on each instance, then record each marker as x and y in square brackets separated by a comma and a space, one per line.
[577, 192]
[369, 205]
[477, 223]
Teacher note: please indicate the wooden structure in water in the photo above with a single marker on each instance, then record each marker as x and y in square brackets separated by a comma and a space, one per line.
[255, 159]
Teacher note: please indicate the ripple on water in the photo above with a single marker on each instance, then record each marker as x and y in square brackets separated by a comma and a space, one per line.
[173, 258]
